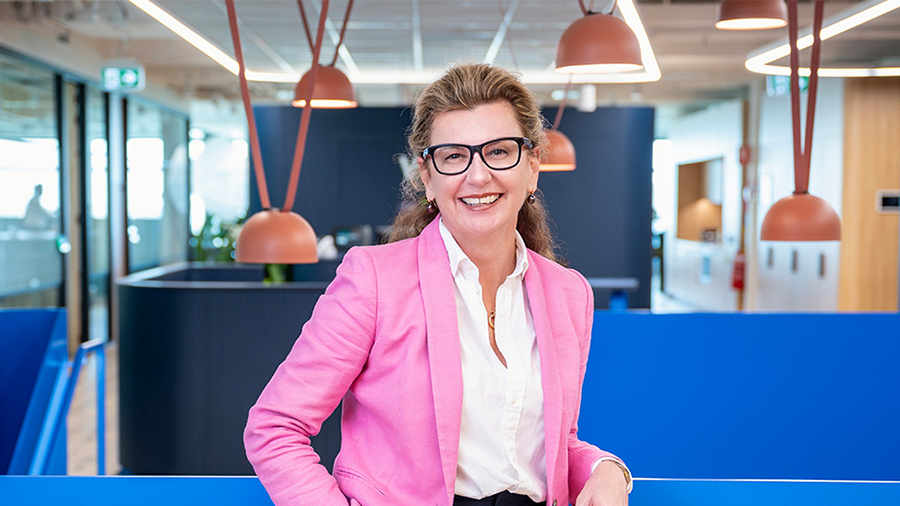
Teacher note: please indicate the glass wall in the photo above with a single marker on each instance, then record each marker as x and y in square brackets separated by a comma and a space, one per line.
[31, 271]
[157, 186]
[97, 213]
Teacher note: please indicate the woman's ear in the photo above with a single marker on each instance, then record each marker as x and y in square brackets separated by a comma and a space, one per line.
[535, 161]
[425, 176]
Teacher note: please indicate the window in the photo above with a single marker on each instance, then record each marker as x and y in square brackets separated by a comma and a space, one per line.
[157, 186]
[30, 259]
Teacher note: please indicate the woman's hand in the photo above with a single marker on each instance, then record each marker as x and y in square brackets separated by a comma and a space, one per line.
[605, 487]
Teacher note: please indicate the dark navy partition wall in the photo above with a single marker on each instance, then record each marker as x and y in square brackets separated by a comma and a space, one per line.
[602, 211]
[762, 396]
[349, 176]
[197, 345]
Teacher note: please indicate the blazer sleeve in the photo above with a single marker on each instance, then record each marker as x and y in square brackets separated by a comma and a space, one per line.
[306, 388]
[582, 455]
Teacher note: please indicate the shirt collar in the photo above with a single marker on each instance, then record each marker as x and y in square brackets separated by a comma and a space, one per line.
[458, 258]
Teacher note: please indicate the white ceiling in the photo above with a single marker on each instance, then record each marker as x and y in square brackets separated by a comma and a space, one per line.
[413, 39]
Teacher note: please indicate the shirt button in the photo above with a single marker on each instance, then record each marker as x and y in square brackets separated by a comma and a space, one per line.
[515, 400]
[554, 502]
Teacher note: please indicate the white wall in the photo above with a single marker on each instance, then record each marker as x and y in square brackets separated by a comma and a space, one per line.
[712, 133]
[780, 286]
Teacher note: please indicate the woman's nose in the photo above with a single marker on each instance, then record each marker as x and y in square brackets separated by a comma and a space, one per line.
[478, 172]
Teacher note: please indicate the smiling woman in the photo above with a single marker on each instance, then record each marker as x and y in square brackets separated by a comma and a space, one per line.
[459, 349]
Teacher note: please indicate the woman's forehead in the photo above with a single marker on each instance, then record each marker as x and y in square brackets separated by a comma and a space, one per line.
[475, 125]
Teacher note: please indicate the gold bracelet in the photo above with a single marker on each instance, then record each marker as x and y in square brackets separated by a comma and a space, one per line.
[625, 471]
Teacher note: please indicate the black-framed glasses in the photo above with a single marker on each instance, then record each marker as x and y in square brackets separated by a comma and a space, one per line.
[498, 154]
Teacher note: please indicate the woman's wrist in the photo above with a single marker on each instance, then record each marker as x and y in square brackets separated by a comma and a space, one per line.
[620, 465]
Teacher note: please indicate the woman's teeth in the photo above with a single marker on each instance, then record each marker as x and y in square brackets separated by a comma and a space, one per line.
[481, 201]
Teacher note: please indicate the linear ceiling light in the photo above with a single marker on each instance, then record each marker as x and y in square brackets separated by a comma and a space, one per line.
[650, 73]
[208, 48]
[760, 60]
[187, 34]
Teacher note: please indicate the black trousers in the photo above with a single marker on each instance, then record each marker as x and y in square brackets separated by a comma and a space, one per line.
[502, 499]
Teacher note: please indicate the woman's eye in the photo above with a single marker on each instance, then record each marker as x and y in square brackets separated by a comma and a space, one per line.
[452, 157]
[497, 152]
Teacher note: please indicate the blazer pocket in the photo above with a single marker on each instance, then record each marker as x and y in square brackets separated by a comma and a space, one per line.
[347, 473]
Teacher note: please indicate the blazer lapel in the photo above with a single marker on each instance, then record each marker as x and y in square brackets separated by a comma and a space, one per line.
[549, 373]
[442, 331]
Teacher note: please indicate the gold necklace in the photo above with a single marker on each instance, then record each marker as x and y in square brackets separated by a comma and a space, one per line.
[491, 320]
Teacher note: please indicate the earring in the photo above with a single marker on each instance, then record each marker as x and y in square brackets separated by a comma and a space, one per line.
[430, 207]
[531, 198]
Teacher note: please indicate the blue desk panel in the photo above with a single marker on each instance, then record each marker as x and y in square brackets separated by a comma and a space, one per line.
[764, 396]
[247, 491]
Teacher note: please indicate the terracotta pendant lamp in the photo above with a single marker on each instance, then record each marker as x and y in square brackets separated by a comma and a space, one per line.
[801, 216]
[560, 154]
[276, 236]
[598, 43]
[751, 14]
[332, 89]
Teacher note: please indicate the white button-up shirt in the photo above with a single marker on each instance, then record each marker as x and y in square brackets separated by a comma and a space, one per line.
[501, 441]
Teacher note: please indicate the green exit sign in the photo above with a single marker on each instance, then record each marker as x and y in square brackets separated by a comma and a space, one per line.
[777, 86]
[122, 78]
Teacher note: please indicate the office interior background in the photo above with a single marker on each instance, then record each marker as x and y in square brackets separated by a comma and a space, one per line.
[673, 179]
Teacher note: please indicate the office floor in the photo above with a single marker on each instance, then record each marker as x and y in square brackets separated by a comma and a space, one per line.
[661, 302]
[82, 419]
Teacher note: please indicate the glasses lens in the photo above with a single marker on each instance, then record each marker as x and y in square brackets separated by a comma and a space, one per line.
[451, 159]
[502, 154]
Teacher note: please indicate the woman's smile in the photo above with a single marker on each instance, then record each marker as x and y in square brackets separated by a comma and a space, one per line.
[481, 201]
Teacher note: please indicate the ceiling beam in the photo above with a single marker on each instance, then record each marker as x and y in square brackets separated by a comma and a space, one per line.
[418, 59]
[501, 33]
[335, 35]
[260, 43]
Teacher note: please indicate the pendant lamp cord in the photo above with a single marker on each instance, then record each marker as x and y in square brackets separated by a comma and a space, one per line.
[248, 110]
[343, 30]
[803, 154]
[562, 105]
[305, 25]
[590, 8]
[813, 88]
[307, 112]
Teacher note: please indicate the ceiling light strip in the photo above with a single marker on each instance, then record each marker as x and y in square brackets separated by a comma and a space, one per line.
[651, 67]
[760, 61]
[187, 34]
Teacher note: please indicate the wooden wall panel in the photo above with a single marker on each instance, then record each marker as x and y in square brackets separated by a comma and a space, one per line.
[869, 247]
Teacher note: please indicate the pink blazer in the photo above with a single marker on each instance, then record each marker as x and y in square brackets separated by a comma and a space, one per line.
[383, 338]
